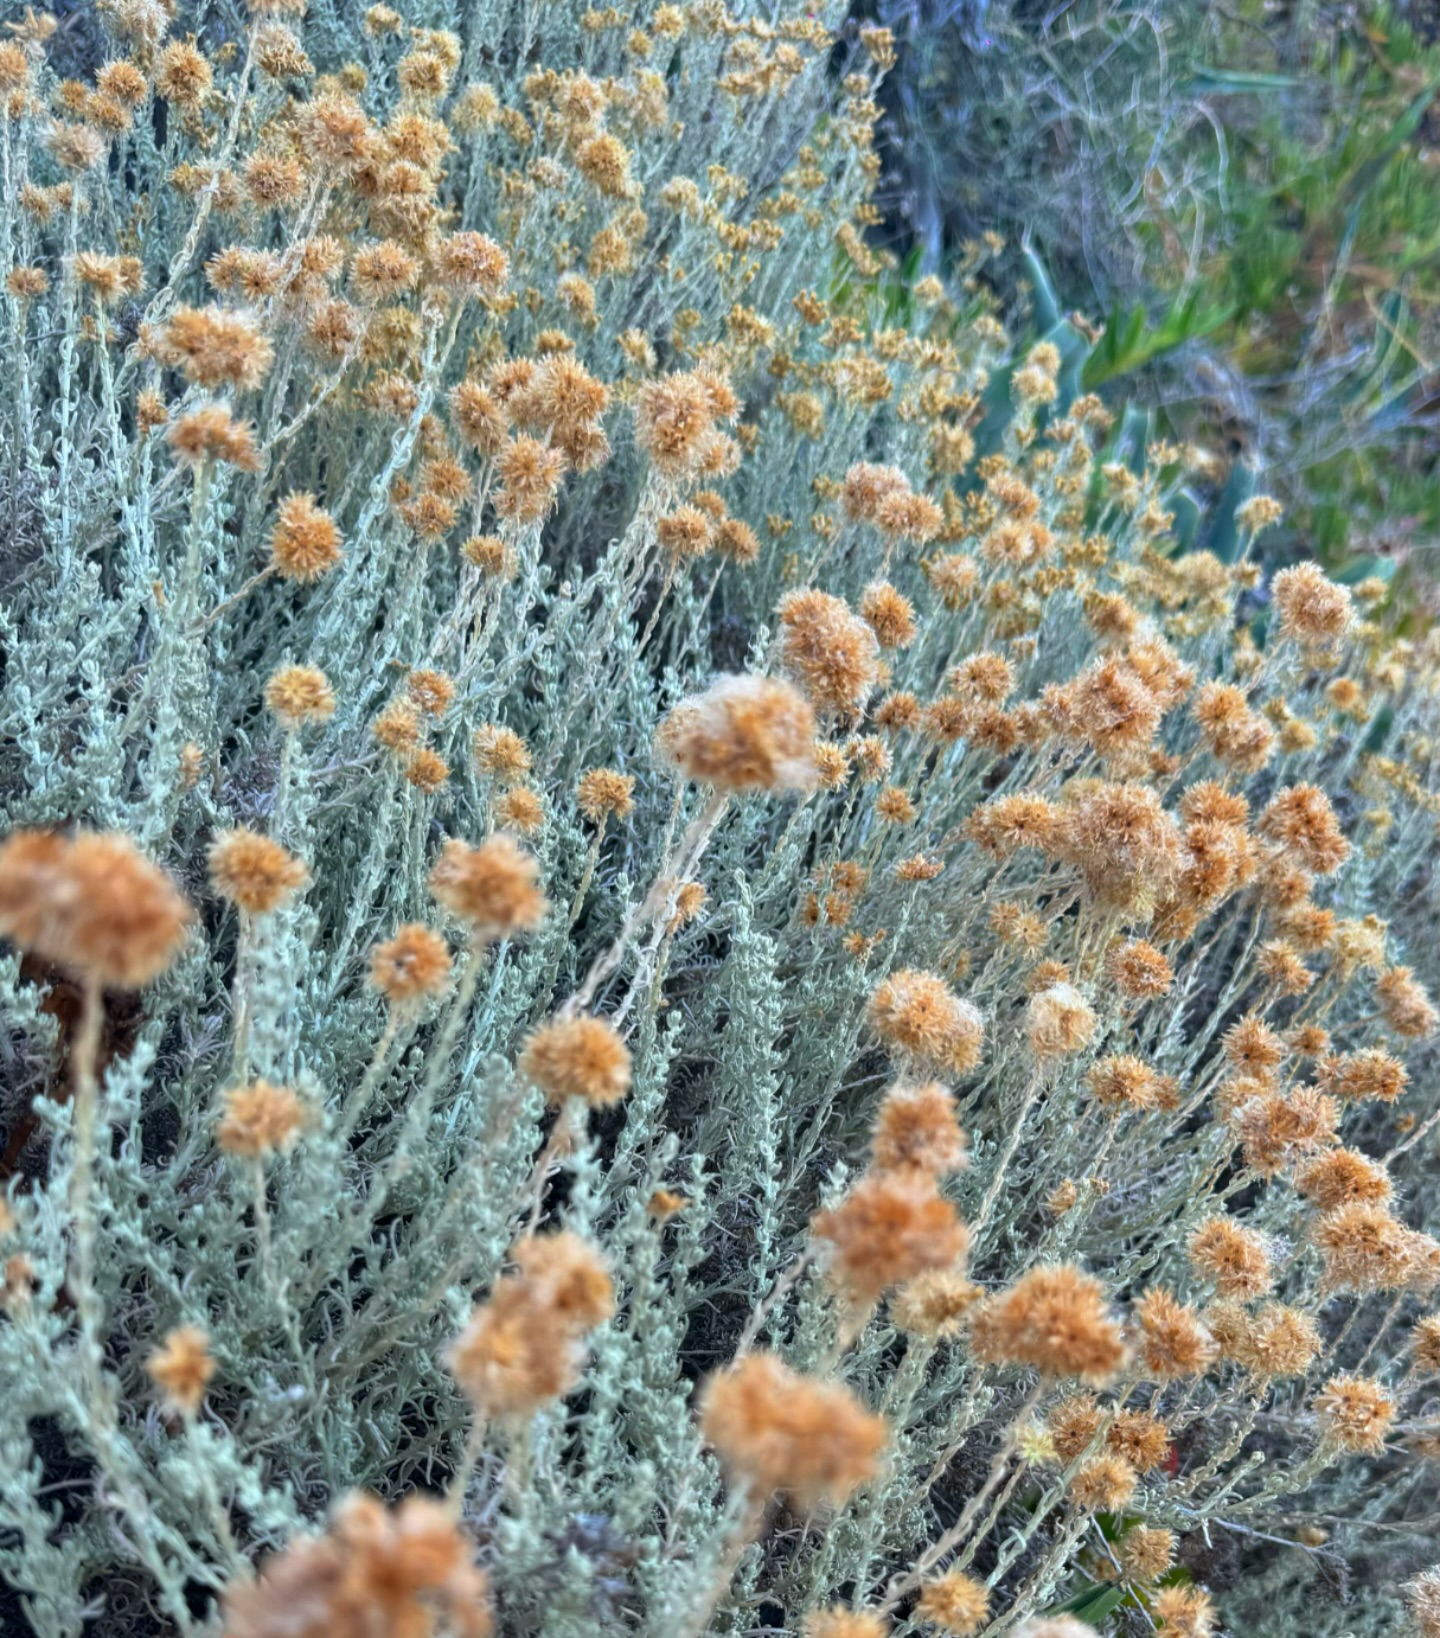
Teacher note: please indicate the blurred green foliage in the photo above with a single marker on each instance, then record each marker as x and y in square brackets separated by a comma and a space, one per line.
[1248, 196]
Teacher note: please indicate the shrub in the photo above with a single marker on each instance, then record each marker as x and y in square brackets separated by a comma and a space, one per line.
[545, 783]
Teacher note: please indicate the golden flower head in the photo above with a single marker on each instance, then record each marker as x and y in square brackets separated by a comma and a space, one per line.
[577, 1058]
[832, 654]
[298, 694]
[604, 794]
[215, 348]
[520, 809]
[954, 1603]
[915, 1128]
[891, 1227]
[305, 541]
[1234, 1258]
[410, 966]
[406, 1567]
[778, 1431]
[1314, 611]
[742, 734]
[500, 753]
[1355, 1413]
[937, 1303]
[92, 904]
[1054, 1319]
[1146, 1554]
[917, 1014]
[524, 1347]
[253, 871]
[838, 1622]
[211, 433]
[181, 1367]
[1059, 1022]
[492, 888]
[1173, 1339]
[259, 1119]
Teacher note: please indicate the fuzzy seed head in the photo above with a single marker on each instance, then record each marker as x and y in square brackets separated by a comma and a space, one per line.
[917, 1015]
[605, 794]
[778, 1431]
[954, 1603]
[577, 1058]
[831, 654]
[253, 871]
[299, 694]
[1059, 1022]
[916, 1129]
[1355, 1413]
[492, 888]
[742, 734]
[181, 1367]
[410, 967]
[891, 1227]
[259, 1119]
[305, 541]
[92, 904]
[1054, 1319]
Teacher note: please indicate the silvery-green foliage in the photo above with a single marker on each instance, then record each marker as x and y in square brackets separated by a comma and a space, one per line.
[331, 1283]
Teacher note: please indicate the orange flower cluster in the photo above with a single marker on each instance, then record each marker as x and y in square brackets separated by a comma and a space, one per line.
[403, 1570]
[524, 1348]
[778, 1431]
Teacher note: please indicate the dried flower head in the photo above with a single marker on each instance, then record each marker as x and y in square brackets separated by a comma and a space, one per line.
[1343, 1177]
[1127, 848]
[259, 1119]
[181, 1367]
[889, 614]
[830, 652]
[298, 694]
[524, 1347]
[1314, 611]
[492, 888]
[1054, 1319]
[1364, 1247]
[253, 871]
[1233, 1258]
[1104, 1484]
[211, 433]
[838, 1622]
[1301, 820]
[1122, 1081]
[577, 1058]
[778, 1431]
[742, 734]
[500, 753]
[1059, 1022]
[214, 348]
[1146, 1554]
[410, 966]
[93, 904]
[935, 1304]
[918, 1015]
[1139, 970]
[1407, 1010]
[1355, 1076]
[1423, 1597]
[954, 1603]
[891, 1227]
[1173, 1340]
[394, 1571]
[605, 794]
[1355, 1413]
[1184, 1612]
[915, 1128]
